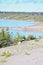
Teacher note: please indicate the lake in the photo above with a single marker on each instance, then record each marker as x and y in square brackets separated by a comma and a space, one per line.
[15, 23]
[14, 33]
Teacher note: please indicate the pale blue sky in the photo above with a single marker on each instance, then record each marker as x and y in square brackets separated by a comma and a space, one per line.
[21, 5]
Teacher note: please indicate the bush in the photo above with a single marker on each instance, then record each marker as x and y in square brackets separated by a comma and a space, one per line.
[5, 39]
[30, 37]
[37, 40]
[19, 38]
[6, 54]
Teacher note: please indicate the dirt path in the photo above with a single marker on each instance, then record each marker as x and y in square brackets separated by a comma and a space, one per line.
[35, 58]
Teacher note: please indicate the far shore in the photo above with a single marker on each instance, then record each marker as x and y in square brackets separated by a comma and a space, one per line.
[29, 20]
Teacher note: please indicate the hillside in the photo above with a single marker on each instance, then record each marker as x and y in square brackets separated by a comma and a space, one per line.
[37, 16]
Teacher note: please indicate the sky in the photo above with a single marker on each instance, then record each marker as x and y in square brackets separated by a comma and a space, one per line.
[21, 5]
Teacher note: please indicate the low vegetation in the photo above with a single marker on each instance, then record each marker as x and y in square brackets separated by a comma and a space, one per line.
[6, 39]
[30, 37]
[6, 54]
[19, 38]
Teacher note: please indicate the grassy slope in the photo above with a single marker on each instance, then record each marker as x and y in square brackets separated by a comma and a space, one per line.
[21, 16]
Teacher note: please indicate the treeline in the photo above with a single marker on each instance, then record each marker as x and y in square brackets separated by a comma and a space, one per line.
[29, 13]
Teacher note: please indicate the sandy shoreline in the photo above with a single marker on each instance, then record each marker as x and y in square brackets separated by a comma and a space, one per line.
[28, 29]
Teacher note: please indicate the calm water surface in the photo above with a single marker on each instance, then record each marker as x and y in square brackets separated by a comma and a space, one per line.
[15, 23]
[14, 33]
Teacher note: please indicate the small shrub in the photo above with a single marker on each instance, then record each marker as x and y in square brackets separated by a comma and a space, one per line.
[19, 38]
[6, 54]
[16, 41]
[36, 40]
[30, 37]
[5, 39]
